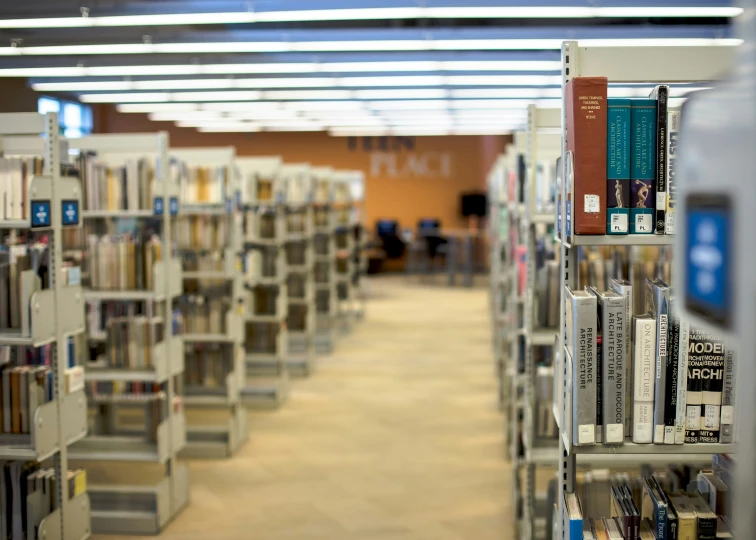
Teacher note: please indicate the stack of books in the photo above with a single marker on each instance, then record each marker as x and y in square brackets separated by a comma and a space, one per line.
[130, 341]
[204, 314]
[623, 156]
[123, 262]
[19, 518]
[202, 232]
[116, 188]
[648, 377]
[15, 175]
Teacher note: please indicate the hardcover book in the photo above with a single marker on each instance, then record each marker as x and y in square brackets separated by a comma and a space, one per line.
[673, 133]
[706, 355]
[581, 345]
[642, 166]
[672, 367]
[660, 93]
[644, 376]
[618, 166]
[586, 116]
[657, 298]
[682, 381]
[625, 288]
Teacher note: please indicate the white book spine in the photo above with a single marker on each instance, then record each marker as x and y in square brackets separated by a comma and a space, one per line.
[682, 381]
[673, 129]
[643, 381]
[727, 431]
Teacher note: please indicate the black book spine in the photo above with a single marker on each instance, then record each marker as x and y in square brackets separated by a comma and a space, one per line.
[673, 352]
[599, 390]
[661, 159]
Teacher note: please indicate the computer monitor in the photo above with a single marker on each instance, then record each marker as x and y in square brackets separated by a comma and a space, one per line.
[387, 227]
[428, 226]
[474, 204]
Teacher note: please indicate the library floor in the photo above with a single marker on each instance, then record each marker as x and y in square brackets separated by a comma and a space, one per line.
[395, 437]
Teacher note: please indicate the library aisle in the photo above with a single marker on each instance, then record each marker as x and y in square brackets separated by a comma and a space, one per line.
[397, 436]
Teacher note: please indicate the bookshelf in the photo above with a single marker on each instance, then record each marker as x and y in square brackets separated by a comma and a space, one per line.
[56, 316]
[136, 413]
[345, 244]
[300, 278]
[361, 244]
[660, 64]
[324, 244]
[263, 197]
[210, 243]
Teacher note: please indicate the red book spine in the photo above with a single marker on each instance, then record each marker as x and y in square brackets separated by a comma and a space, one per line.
[586, 138]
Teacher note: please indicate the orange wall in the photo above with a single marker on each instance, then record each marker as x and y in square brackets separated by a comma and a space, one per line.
[404, 184]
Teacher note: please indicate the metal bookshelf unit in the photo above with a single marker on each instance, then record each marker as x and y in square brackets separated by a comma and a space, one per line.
[300, 278]
[136, 428]
[55, 315]
[361, 244]
[266, 303]
[210, 241]
[324, 244]
[659, 64]
[344, 254]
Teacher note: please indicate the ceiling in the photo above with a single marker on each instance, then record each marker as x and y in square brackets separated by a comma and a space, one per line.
[349, 67]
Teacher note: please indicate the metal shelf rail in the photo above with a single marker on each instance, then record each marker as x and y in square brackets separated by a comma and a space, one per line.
[216, 419]
[653, 64]
[58, 315]
[124, 507]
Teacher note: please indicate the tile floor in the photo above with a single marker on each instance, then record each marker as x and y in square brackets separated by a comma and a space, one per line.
[395, 437]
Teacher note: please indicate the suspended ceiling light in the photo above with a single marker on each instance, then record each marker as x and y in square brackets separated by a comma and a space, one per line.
[351, 46]
[284, 67]
[247, 17]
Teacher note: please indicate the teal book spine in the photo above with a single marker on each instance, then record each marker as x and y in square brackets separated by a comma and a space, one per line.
[642, 165]
[618, 166]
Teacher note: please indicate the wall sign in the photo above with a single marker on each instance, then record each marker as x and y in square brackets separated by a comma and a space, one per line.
[411, 165]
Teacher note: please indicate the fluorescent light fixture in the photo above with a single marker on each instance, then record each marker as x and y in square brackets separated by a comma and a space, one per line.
[155, 107]
[183, 115]
[306, 94]
[242, 128]
[170, 96]
[403, 93]
[295, 68]
[380, 13]
[368, 45]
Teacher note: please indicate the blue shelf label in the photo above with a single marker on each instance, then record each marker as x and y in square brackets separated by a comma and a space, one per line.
[228, 205]
[157, 206]
[70, 212]
[40, 214]
[707, 258]
[238, 199]
[173, 206]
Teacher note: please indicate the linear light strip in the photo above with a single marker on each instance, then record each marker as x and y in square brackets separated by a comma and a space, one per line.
[247, 17]
[350, 46]
[285, 67]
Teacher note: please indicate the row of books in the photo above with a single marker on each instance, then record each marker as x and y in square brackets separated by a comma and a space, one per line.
[296, 254]
[647, 508]
[296, 318]
[202, 232]
[261, 338]
[263, 301]
[260, 224]
[15, 176]
[19, 519]
[203, 185]
[296, 285]
[128, 187]
[651, 377]
[23, 389]
[123, 392]
[205, 367]
[23, 270]
[130, 341]
[623, 154]
[122, 262]
[204, 315]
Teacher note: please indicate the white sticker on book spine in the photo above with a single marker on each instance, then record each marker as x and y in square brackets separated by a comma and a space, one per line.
[693, 418]
[592, 204]
[728, 414]
[644, 223]
[619, 223]
[642, 433]
[615, 433]
[670, 226]
[659, 434]
[661, 199]
[711, 417]
[669, 434]
[587, 434]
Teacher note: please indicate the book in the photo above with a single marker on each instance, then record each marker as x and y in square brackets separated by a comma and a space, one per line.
[620, 511]
[574, 516]
[618, 166]
[727, 418]
[687, 520]
[613, 530]
[586, 116]
[646, 531]
[706, 355]
[682, 380]
[660, 93]
[612, 327]
[581, 335]
[672, 367]
[657, 300]
[644, 377]
[673, 135]
[625, 288]
[707, 520]
[654, 507]
[714, 491]
[642, 165]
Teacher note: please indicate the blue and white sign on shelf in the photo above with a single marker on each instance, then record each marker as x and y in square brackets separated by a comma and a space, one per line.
[173, 206]
[157, 206]
[40, 214]
[70, 212]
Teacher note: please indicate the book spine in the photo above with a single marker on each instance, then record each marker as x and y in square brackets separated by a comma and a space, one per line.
[673, 132]
[643, 148]
[727, 424]
[584, 371]
[599, 387]
[586, 115]
[613, 369]
[618, 166]
[696, 364]
[682, 383]
[662, 335]
[643, 383]
[673, 346]
[711, 391]
[662, 92]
